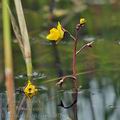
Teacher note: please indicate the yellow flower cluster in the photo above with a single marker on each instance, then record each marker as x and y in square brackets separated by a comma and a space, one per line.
[56, 34]
[30, 90]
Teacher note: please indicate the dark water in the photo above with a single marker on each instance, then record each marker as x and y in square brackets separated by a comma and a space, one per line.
[98, 99]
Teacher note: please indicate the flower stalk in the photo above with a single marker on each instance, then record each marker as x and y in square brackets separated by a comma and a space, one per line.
[56, 34]
[74, 67]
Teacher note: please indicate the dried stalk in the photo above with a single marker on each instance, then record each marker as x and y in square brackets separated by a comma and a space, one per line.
[25, 38]
[16, 31]
[74, 71]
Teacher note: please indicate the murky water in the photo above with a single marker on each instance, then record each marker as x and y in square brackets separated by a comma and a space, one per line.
[98, 78]
[98, 99]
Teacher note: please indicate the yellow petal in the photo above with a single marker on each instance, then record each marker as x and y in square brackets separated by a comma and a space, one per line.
[82, 21]
[54, 34]
[59, 27]
[53, 30]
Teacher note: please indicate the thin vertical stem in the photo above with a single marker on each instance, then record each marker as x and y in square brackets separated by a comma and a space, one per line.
[74, 58]
[29, 110]
[25, 37]
[8, 61]
[26, 47]
[57, 61]
[74, 69]
[75, 80]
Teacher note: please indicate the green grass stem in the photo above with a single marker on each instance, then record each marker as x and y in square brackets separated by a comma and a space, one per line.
[8, 61]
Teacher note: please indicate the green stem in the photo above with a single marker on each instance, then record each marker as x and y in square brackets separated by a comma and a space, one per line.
[28, 115]
[25, 38]
[8, 61]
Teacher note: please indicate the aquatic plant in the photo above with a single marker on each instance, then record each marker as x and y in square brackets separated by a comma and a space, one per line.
[55, 36]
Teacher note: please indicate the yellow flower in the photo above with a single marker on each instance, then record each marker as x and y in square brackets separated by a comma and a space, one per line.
[56, 34]
[30, 90]
[82, 21]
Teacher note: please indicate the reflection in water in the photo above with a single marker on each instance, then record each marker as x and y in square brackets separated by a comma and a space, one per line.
[104, 100]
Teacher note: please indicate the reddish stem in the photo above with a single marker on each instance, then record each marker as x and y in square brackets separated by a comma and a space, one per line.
[74, 58]
[74, 69]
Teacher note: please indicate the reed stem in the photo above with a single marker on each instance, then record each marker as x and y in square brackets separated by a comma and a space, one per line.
[26, 50]
[25, 37]
[8, 61]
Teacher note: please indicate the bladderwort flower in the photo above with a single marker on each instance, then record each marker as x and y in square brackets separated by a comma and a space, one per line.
[56, 34]
[30, 90]
[82, 21]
